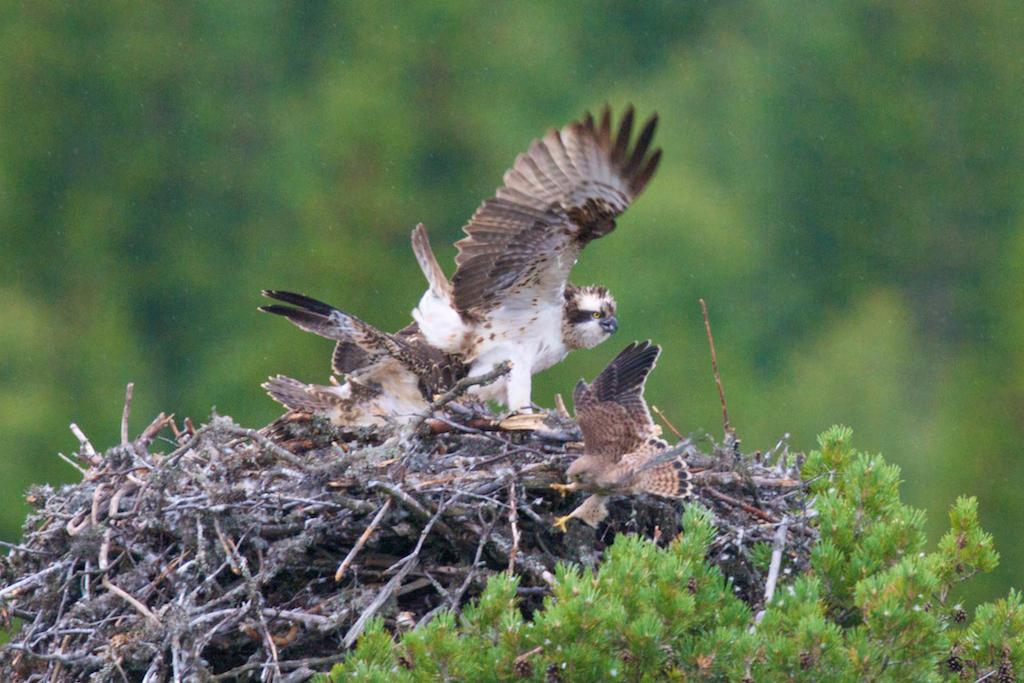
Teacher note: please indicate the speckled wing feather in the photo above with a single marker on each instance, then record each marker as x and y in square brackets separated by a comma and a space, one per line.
[611, 411]
[564, 192]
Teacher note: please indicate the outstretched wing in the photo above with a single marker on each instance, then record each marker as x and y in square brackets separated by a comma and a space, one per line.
[611, 412]
[360, 345]
[564, 192]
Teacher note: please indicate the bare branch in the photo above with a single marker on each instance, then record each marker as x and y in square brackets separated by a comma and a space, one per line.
[128, 391]
[513, 518]
[672, 428]
[361, 541]
[87, 452]
[467, 382]
[773, 569]
[714, 368]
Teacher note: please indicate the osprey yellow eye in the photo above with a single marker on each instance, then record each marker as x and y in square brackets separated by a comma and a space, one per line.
[596, 314]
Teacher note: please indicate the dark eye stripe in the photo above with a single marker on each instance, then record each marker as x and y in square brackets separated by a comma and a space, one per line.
[580, 316]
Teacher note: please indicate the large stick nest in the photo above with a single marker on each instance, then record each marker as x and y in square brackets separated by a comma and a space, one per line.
[228, 553]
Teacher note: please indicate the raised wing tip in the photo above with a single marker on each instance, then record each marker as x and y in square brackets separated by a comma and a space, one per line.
[277, 309]
[638, 349]
[577, 392]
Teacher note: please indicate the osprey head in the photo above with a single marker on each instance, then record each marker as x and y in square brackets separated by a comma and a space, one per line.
[588, 316]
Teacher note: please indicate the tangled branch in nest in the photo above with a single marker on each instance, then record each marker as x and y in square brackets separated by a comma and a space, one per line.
[232, 554]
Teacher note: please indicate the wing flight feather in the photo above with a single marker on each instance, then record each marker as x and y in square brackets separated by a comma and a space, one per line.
[564, 192]
[611, 411]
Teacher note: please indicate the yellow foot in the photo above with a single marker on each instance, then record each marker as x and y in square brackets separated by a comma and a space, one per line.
[560, 523]
[563, 488]
[523, 422]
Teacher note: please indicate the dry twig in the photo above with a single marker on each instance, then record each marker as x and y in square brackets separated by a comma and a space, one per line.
[778, 544]
[361, 541]
[128, 391]
[714, 368]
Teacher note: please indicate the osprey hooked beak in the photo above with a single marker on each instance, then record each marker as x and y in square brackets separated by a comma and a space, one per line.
[610, 324]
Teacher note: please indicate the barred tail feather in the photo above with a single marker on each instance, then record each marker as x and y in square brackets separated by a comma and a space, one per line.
[670, 479]
[296, 395]
[312, 315]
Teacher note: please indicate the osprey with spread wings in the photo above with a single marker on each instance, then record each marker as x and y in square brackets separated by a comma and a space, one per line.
[510, 299]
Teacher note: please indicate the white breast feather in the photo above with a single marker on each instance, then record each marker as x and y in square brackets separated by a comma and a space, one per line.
[530, 336]
[440, 323]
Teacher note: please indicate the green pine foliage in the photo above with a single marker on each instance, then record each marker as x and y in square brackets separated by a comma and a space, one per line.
[874, 606]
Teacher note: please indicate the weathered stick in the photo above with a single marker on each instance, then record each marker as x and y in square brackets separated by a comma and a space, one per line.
[134, 602]
[773, 568]
[713, 477]
[128, 391]
[465, 383]
[757, 512]
[87, 452]
[714, 368]
[29, 580]
[513, 519]
[410, 504]
[254, 435]
[407, 564]
[672, 428]
[361, 541]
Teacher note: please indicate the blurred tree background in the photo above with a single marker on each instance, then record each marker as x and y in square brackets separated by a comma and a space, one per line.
[843, 182]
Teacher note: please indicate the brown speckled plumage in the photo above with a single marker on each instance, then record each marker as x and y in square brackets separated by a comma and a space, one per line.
[384, 373]
[623, 451]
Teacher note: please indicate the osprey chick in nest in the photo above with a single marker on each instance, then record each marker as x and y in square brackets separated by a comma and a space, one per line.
[623, 452]
[388, 378]
[509, 299]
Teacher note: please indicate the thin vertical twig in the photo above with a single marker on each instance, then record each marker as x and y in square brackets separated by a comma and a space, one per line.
[714, 367]
[513, 518]
[778, 544]
[128, 391]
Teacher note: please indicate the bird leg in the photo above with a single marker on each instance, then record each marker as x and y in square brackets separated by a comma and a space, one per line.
[565, 488]
[517, 389]
[591, 511]
[560, 522]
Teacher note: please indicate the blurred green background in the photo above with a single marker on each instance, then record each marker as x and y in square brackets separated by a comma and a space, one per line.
[843, 182]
